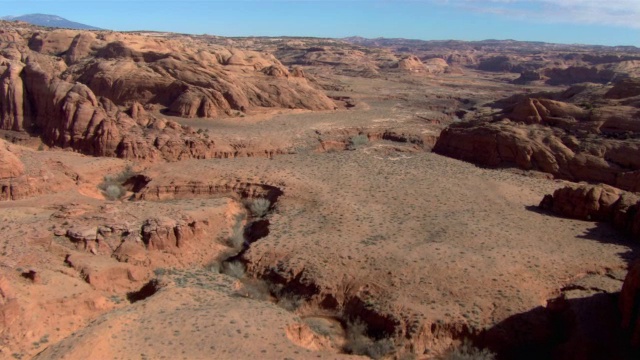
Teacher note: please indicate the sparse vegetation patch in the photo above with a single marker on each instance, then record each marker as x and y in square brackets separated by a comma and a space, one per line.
[111, 186]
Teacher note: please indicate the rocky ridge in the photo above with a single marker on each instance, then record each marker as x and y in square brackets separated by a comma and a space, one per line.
[566, 134]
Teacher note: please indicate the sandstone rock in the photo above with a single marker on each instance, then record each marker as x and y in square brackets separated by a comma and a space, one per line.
[554, 137]
[297, 72]
[10, 164]
[597, 202]
[624, 89]
[276, 71]
[52, 42]
[529, 76]
[13, 99]
[412, 64]
[132, 252]
[80, 47]
[544, 111]
[578, 74]
[107, 274]
[76, 104]
[438, 66]
[168, 234]
[498, 63]
[82, 234]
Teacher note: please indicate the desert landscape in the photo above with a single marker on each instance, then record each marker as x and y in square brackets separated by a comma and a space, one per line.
[172, 196]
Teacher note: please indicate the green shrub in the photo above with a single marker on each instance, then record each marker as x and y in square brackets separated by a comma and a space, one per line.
[358, 140]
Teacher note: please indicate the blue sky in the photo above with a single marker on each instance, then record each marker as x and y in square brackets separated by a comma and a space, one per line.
[607, 22]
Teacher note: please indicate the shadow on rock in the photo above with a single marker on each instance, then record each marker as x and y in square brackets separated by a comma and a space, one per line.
[602, 232]
[570, 327]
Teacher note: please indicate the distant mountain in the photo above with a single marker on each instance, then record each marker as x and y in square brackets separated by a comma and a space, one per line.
[50, 21]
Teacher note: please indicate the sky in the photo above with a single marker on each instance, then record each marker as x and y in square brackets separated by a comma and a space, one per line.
[602, 22]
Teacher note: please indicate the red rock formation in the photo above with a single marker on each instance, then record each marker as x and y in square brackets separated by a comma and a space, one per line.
[411, 63]
[10, 164]
[529, 76]
[168, 234]
[578, 74]
[78, 104]
[624, 89]
[597, 202]
[554, 137]
[105, 273]
[545, 111]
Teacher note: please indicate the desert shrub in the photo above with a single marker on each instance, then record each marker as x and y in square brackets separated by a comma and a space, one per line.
[358, 140]
[290, 302]
[254, 289]
[319, 328]
[358, 343]
[214, 266]
[258, 207]
[466, 351]
[111, 185]
[236, 239]
[114, 191]
[233, 268]
[160, 271]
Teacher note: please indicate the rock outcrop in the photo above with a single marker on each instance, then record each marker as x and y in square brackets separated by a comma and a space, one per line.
[624, 89]
[10, 164]
[169, 234]
[412, 64]
[91, 100]
[556, 137]
[579, 74]
[108, 274]
[599, 203]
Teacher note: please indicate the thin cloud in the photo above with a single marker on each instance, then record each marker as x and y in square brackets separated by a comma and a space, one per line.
[624, 13]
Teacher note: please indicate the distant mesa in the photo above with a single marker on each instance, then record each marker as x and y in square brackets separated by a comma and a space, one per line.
[50, 21]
